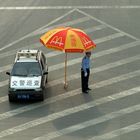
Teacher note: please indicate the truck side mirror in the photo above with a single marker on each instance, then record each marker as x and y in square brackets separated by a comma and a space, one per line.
[45, 73]
[8, 73]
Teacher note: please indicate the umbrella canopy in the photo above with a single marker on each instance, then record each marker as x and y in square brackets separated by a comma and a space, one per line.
[67, 39]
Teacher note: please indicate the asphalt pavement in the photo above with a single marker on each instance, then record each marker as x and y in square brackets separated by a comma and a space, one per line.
[111, 110]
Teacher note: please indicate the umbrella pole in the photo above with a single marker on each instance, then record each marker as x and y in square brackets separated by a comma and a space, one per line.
[65, 84]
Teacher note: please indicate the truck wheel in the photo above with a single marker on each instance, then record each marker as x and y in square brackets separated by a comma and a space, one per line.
[41, 97]
[11, 99]
[47, 79]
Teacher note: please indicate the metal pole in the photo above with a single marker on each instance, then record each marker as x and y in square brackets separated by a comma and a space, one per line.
[65, 84]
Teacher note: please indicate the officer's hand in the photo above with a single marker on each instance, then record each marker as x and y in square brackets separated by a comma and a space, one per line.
[85, 74]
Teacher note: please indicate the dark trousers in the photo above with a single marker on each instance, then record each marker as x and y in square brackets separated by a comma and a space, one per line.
[84, 80]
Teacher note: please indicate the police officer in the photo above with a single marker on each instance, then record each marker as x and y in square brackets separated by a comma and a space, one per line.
[85, 72]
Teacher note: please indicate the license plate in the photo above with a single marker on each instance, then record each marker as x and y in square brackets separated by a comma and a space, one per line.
[23, 96]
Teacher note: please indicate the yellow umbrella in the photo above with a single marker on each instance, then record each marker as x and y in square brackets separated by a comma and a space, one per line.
[68, 40]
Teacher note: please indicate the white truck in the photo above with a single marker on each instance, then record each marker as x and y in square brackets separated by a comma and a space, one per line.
[28, 76]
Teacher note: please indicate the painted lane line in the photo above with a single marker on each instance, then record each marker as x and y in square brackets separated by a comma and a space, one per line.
[117, 49]
[70, 7]
[28, 35]
[118, 132]
[109, 37]
[74, 61]
[89, 30]
[54, 116]
[95, 28]
[13, 52]
[4, 83]
[5, 68]
[37, 45]
[83, 125]
[54, 21]
[116, 29]
[69, 23]
[76, 92]
[111, 97]
[119, 78]
[3, 99]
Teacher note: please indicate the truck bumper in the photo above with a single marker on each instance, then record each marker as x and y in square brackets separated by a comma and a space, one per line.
[26, 94]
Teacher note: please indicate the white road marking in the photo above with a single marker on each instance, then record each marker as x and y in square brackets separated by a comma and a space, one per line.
[28, 35]
[74, 61]
[3, 99]
[111, 97]
[93, 122]
[69, 23]
[118, 132]
[116, 29]
[54, 21]
[78, 91]
[4, 83]
[109, 37]
[58, 115]
[95, 28]
[13, 52]
[37, 45]
[119, 78]
[117, 49]
[70, 7]
[5, 68]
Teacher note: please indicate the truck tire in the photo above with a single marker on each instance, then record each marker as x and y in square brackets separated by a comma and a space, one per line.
[46, 79]
[11, 99]
[41, 98]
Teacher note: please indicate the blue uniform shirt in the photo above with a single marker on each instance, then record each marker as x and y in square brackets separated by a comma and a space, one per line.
[85, 63]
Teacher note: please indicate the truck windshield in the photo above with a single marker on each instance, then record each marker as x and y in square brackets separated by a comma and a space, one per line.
[26, 69]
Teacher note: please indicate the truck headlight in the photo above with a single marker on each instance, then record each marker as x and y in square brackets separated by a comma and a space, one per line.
[12, 89]
[38, 89]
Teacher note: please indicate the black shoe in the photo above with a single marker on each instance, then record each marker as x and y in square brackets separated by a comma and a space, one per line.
[86, 92]
[88, 88]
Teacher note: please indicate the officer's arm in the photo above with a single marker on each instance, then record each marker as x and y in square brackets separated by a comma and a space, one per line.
[84, 65]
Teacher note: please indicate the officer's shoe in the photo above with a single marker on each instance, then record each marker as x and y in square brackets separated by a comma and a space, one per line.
[88, 88]
[85, 92]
